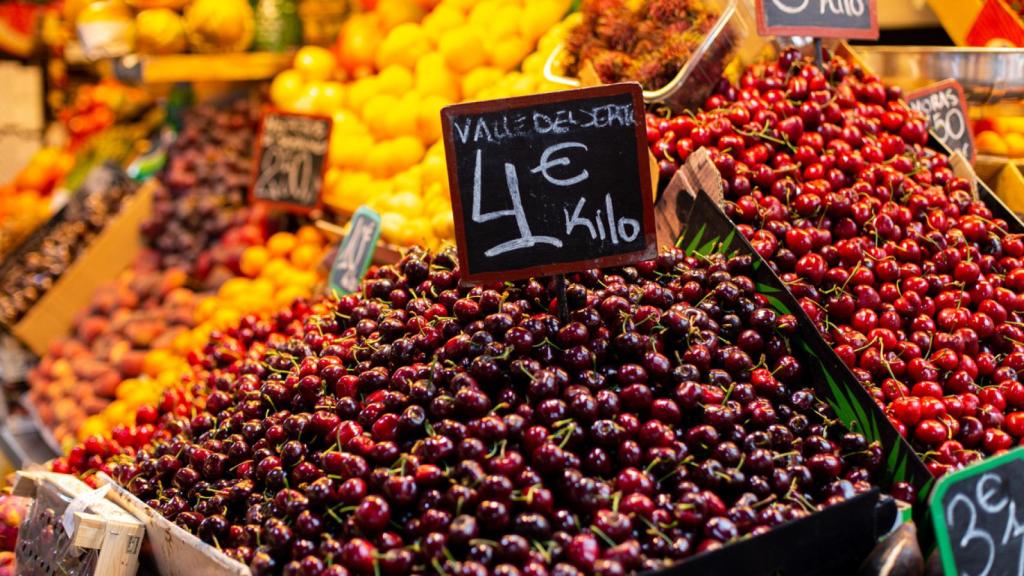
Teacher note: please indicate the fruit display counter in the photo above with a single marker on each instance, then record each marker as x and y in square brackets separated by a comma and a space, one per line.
[831, 330]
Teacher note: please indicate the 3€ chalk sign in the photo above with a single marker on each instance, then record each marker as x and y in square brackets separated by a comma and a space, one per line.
[978, 513]
[550, 183]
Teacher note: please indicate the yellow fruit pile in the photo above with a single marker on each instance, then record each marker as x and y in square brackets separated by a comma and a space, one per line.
[26, 201]
[275, 274]
[385, 150]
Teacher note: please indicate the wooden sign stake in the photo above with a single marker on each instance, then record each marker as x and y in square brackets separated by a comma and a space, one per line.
[819, 54]
[563, 304]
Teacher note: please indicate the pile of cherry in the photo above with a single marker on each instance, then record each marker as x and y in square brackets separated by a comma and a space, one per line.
[915, 284]
[422, 426]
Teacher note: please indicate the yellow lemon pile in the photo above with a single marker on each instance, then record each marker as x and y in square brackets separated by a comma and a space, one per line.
[385, 150]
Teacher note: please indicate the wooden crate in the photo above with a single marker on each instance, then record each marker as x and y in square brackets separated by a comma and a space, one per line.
[170, 548]
[112, 251]
[98, 524]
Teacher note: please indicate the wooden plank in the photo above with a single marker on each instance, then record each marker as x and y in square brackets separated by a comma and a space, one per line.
[201, 67]
[110, 253]
[175, 551]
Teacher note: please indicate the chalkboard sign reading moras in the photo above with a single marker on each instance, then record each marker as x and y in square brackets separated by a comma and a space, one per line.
[944, 105]
[551, 183]
[820, 18]
[291, 159]
[356, 251]
[978, 515]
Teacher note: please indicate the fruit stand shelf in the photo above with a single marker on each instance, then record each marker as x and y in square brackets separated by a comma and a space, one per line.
[246, 66]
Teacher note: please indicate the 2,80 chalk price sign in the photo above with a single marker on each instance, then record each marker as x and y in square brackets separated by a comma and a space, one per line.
[550, 183]
[290, 161]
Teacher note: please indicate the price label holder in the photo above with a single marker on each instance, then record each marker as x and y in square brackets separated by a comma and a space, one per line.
[847, 19]
[945, 106]
[355, 252]
[291, 160]
[550, 184]
[978, 513]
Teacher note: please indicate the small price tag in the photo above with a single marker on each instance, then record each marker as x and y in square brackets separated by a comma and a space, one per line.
[945, 106]
[291, 160]
[978, 513]
[356, 251]
[551, 183]
[857, 19]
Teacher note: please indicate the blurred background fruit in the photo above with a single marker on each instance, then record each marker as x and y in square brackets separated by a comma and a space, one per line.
[159, 31]
[219, 25]
[401, 70]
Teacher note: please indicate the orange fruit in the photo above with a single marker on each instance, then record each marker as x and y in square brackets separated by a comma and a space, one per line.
[305, 256]
[315, 63]
[254, 258]
[310, 235]
[281, 243]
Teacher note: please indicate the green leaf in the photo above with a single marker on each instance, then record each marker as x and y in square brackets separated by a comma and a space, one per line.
[777, 304]
[728, 241]
[890, 463]
[762, 288]
[695, 240]
[708, 248]
[757, 264]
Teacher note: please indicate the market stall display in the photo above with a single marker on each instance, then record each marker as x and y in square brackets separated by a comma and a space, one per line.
[828, 330]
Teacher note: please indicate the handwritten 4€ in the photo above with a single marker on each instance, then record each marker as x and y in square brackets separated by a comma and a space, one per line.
[617, 230]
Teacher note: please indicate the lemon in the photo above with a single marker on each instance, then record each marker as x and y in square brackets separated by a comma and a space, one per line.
[534, 64]
[395, 12]
[349, 150]
[314, 62]
[1014, 144]
[463, 49]
[434, 171]
[286, 88]
[506, 22]
[219, 25]
[408, 181]
[481, 15]
[361, 91]
[429, 118]
[159, 31]
[507, 53]
[443, 19]
[539, 16]
[346, 122]
[433, 78]
[394, 80]
[443, 224]
[406, 152]
[404, 45]
[378, 160]
[477, 80]
[409, 204]
[392, 226]
[377, 114]
[327, 97]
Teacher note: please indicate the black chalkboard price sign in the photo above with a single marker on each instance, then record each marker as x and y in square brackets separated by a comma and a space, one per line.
[978, 513]
[820, 18]
[945, 106]
[291, 160]
[550, 183]
[355, 252]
